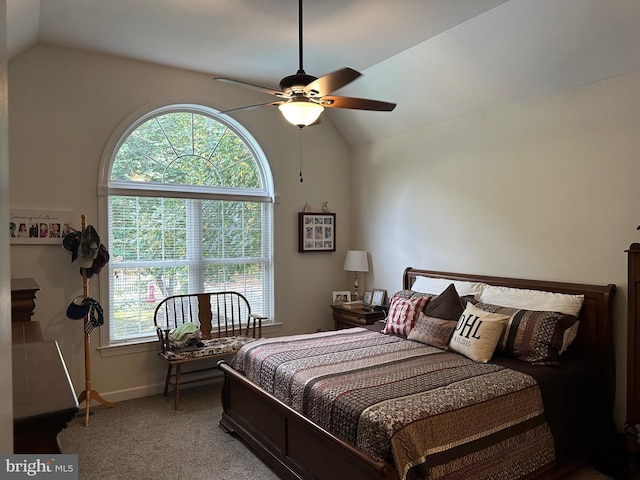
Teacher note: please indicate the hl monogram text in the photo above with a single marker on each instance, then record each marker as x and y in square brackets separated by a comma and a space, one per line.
[467, 328]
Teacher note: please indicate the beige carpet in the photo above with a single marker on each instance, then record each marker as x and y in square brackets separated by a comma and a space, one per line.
[146, 438]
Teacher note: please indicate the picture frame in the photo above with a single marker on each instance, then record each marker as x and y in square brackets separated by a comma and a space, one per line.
[341, 296]
[316, 232]
[38, 227]
[368, 295]
[378, 297]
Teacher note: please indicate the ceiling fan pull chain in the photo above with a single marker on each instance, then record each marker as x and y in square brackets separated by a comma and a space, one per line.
[300, 141]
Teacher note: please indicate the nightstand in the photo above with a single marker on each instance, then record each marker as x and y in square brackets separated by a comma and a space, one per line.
[355, 316]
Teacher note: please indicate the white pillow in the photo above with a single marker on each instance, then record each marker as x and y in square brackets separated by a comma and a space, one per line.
[532, 299]
[436, 286]
[477, 333]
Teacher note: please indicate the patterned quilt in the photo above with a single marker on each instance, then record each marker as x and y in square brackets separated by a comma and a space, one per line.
[433, 414]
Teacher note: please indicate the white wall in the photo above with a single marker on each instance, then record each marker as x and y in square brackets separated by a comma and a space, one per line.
[6, 387]
[65, 104]
[545, 189]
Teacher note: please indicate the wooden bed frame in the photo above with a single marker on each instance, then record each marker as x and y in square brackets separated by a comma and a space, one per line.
[296, 448]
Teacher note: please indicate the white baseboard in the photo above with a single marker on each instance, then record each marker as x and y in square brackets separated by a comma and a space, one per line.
[144, 391]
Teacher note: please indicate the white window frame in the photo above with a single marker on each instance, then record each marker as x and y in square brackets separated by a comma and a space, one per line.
[107, 188]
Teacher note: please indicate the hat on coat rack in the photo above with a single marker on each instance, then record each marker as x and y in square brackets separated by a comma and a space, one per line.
[88, 248]
[89, 308]
[71, 243]
[100, 261]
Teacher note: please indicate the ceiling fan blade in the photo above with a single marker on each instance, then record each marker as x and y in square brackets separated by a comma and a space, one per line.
[331, 82]
[267, 90]
[251, 107]
[356, 103]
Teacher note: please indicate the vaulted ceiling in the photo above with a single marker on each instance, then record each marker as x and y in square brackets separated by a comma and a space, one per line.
[437, 59]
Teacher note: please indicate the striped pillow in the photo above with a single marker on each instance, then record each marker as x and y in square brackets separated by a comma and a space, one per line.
[403, 313]
[530, 335]
[537, 300]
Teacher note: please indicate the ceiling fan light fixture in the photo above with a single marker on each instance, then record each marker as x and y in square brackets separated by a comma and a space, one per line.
[301, 112]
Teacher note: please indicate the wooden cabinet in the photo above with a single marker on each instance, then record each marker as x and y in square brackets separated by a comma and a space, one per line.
[633, 351]
[23, 296]
[356, 316]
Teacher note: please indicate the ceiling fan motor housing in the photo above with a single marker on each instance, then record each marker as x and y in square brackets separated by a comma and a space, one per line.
[297, 82]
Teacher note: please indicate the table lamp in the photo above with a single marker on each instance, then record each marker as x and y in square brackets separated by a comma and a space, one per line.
[356, 261]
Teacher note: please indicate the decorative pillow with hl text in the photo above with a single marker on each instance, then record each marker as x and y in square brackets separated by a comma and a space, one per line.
[477, 333]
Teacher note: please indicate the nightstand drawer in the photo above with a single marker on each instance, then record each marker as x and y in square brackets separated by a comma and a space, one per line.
[345, 317]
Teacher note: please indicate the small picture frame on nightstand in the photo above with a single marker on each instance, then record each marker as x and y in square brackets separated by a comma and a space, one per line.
[378, 296]
[368, 295]
[341, 296]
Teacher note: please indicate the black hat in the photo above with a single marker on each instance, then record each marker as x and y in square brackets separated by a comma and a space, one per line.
[70, 243]
[89, 308]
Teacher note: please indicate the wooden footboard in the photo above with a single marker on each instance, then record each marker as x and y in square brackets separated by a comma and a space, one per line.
[290, 444]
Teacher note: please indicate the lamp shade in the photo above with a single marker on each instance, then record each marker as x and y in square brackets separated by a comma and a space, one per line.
[301, 112]
[356, 261]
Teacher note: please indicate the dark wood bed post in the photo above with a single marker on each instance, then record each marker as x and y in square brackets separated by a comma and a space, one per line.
[633, 356]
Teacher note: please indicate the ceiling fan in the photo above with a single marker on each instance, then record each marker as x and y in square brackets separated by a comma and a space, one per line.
[302, 97]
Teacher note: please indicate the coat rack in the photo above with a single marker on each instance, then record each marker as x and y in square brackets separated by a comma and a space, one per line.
[88, 394]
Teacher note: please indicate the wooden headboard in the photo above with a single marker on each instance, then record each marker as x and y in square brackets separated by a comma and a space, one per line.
[595, 335]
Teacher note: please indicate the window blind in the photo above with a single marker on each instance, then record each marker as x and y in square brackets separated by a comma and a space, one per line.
[168, 246]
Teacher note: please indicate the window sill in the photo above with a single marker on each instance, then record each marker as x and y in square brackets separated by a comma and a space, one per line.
[151, 344]
[140, 346]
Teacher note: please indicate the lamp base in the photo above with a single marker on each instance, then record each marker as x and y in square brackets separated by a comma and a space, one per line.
[355, 288]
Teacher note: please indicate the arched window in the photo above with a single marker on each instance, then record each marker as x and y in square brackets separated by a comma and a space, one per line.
[189, 200]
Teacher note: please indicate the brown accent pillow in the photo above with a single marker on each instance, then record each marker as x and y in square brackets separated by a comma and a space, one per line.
[433, 331]
[446, 306]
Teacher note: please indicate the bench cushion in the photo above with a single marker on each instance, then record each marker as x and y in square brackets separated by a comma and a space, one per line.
[213, 347]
